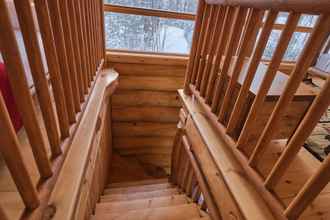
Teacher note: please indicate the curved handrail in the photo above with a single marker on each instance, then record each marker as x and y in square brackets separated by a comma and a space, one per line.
[305, 6]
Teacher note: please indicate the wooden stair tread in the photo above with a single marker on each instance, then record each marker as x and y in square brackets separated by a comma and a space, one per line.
[123, 206]
[138, 183]
[139, 195]
[179, 212]
[135, 189]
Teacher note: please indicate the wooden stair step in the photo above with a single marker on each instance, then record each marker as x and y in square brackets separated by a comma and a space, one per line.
[135, 189]
[138, 183]
[179, 212]
[124, 206]
[139, 195]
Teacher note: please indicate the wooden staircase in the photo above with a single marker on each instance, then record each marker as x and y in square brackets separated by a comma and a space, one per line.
[148, 199]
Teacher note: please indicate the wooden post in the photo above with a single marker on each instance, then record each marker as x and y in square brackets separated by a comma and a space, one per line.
[25, 17]
[190, 65]
[253, 65]
[317, 109]
[270, 74]
[311, 49]
[53, 65]
[12, 155]
[101, 6]
[17, 78]
[309, 191]
[55, 15]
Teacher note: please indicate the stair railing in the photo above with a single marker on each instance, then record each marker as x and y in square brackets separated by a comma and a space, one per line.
[226, 43]
[73, 46]
[188, 176]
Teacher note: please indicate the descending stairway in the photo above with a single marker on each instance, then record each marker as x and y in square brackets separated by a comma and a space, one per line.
[146, 200]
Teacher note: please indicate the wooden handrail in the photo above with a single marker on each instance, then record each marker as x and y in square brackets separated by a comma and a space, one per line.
[303, 6]
[148, 12]
[62, 207]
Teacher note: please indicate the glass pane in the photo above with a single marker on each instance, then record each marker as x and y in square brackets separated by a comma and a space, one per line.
[150, 34]
[305, 19]
[308, 20]
[187, 6]
[294, 49]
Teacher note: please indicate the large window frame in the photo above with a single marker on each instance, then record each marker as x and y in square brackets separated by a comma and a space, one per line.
[182, 16]
[151, 13]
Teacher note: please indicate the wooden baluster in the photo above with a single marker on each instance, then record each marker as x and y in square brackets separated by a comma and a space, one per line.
[91, 37]
[101, 9]
[212, 46]
[101, 32]
[17, 78]
[3, 215]
[310, 190]
[200, 44]
[227, 23]
[267, 81]
[12, 155]
[185, 174]
[243, 53]
[84, 12]
[232, 44]
[53, 65]
[194, 185]
[253, 65]
[94, 35]
[180, 166]
[184, 169]
[188, 184]
[71, 58]
[96, 27]
[194, 46]
[305, 128]
[27, 25]
[176, 154]
[81, 37]
[89, 31]
[210, 26]
[309, 53]
[213, 210]
[62, 56]
[76, 47]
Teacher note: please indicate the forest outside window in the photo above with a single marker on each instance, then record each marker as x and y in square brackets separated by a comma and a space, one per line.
[159, 26]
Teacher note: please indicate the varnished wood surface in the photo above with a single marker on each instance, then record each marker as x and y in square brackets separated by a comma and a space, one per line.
[146, 106]
[303, 167]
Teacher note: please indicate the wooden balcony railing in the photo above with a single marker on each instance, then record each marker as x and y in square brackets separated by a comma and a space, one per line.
[72, 103]
[227, 77]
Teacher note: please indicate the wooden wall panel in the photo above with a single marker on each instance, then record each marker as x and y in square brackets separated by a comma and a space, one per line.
[146, 106]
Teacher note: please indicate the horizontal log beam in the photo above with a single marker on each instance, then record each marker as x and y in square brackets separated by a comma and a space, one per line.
[148, 12]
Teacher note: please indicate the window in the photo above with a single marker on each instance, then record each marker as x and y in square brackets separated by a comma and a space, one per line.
[299, 38]
[145, 25]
